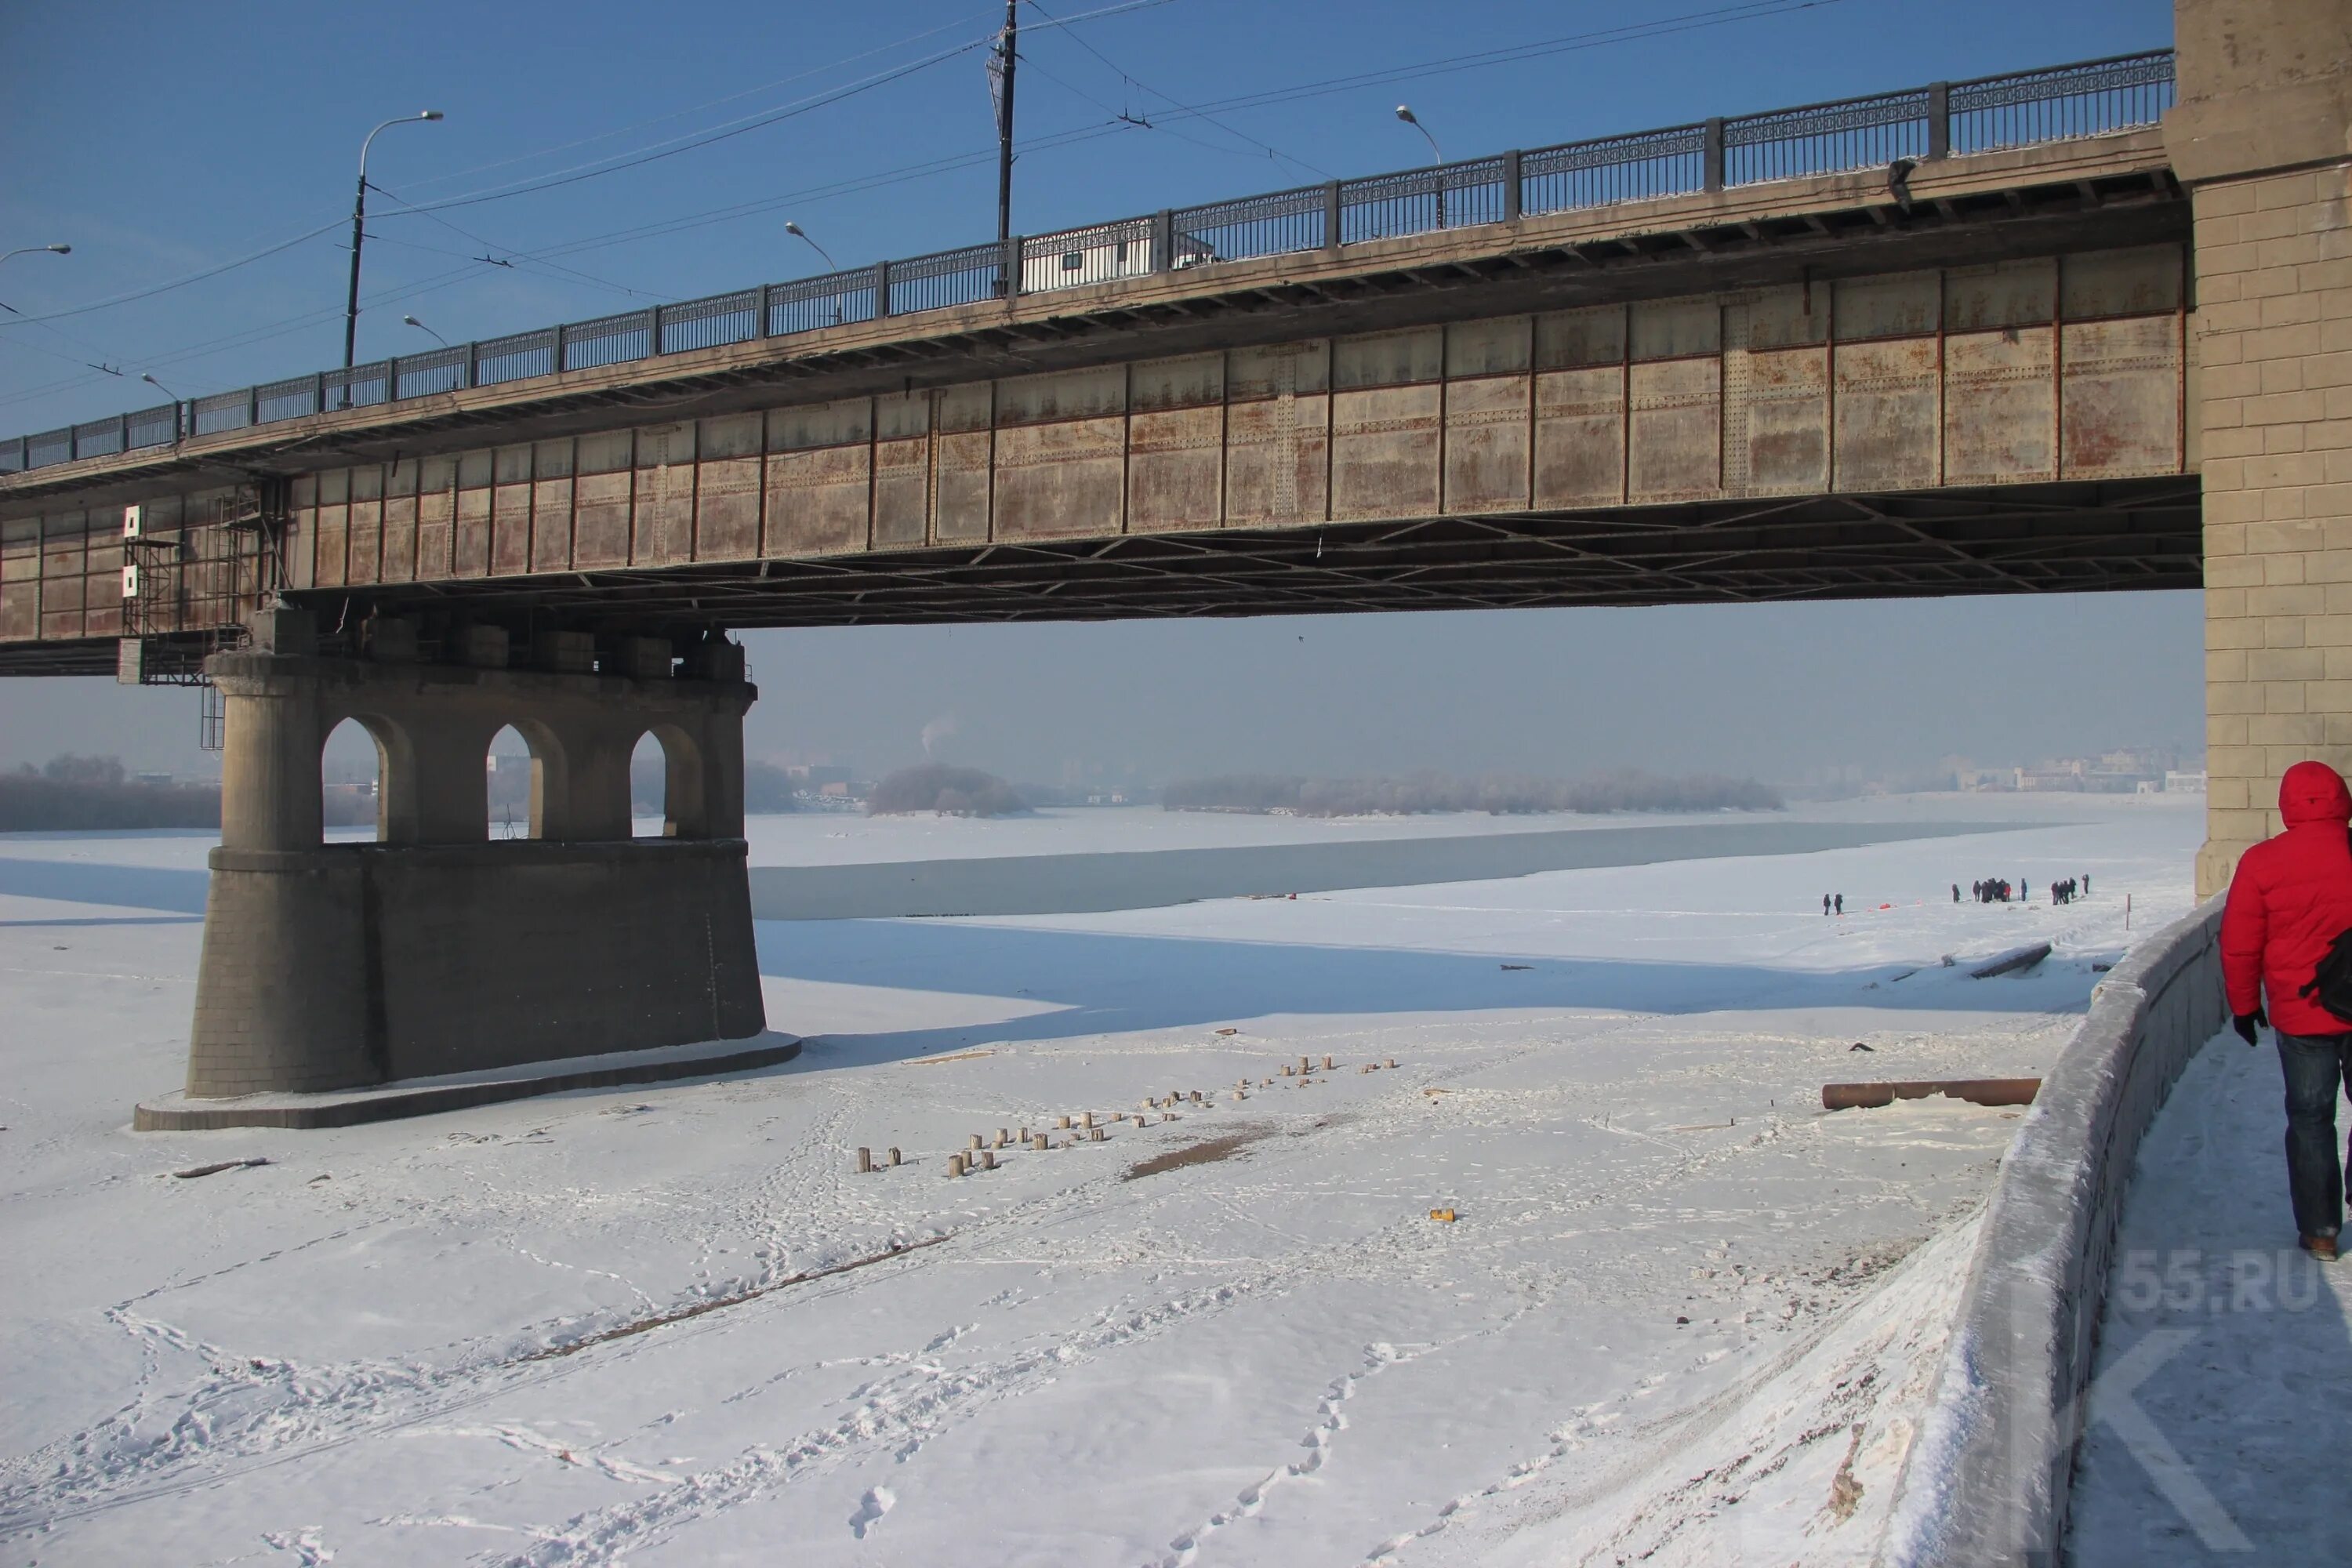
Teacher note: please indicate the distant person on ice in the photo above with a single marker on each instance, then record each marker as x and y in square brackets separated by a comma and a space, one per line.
[1825, 904]
[1956, 892]
[1841, 904]
[2291, 897]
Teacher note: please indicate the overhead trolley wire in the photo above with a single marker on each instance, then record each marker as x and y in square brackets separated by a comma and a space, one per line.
[1268, 148]
[692, 109]
[1747, 10]
[699, 140]
[588, 171]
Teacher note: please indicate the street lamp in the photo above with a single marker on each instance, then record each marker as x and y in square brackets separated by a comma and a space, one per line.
[792, 229]
[1404, 112]
[38, 249]
[413, 322]
[359, 233]
[149, 377]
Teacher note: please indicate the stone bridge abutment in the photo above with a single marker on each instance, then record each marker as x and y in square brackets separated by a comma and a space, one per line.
[435, 949]
[2263, 140]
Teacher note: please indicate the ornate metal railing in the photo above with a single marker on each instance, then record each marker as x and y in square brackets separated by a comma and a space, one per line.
[2092, 98]
[1636, 168]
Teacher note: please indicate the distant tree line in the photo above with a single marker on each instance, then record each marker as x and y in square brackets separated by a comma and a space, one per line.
[766, 787]
[75, 794]
[1499, 793]
[72, 793]
[954, 792]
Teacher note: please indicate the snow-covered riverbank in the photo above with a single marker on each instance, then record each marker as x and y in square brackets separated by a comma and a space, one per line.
[1232, 1337]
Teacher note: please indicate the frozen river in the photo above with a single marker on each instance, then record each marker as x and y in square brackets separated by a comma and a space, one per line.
[1680, 1312]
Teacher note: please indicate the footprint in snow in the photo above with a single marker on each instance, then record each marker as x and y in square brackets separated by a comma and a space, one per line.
[870, 1509]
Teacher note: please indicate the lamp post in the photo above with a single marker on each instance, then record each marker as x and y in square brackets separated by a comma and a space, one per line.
[149, 377]
[36, 250]
[413, 322]
[359, 233]
[1404, 112]
[798, 232]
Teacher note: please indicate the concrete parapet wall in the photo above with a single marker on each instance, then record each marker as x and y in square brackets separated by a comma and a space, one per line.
[387, 961]
[1987, 1479]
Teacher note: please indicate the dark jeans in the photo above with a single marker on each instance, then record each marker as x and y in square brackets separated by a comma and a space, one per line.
[2315, 1065]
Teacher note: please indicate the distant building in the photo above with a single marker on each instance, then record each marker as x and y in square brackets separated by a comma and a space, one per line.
[1106, 253]
[2058, 775]
[2177, 782]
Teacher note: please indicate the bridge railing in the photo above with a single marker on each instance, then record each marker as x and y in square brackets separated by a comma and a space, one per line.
[290, 399]
[151, 427]
[2059, 104]
[516, 357]
[421, 376]
[1636, 168]
[2091, 98]
[711, 323]
[361, 387]
[1270, 225]
[943, 280]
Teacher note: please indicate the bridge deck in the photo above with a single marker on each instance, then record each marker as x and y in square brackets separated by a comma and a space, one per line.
[1802, 389]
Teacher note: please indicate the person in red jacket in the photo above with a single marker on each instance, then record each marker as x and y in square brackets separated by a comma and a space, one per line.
[2291, 898]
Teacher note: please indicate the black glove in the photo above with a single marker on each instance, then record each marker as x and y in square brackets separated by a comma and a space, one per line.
[2247, 1022]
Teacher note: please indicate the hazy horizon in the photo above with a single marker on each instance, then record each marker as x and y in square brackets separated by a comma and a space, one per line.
[1786, 693]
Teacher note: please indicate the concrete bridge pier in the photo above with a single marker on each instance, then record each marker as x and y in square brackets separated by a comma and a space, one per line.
[435, 950]
[2263, 138]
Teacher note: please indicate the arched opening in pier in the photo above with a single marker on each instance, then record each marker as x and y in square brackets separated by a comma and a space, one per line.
[353, 773]
[649, 802]
[665, 785]
[508, 795]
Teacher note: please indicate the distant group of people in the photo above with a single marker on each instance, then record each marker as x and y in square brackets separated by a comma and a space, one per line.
[1994, 890]
[1832, 901]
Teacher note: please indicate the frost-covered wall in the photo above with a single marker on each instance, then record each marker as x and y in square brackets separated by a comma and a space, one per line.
[1987, 1482]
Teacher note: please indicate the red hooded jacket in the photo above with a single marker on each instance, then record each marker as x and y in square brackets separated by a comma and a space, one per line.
[2291, 898]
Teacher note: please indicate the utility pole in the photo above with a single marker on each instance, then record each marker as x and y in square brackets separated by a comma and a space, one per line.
[1007, 56]
[351, 301]
[359, 235]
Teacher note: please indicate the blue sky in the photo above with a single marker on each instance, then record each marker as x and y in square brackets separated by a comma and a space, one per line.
[162, 141]
[165, 141]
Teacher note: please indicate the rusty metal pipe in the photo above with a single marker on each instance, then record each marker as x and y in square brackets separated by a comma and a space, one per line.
[1975, 1091]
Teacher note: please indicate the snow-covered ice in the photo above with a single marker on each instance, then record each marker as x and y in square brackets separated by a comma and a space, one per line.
[1675, 1317]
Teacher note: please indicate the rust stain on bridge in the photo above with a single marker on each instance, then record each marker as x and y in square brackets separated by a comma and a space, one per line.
[1783, 391]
